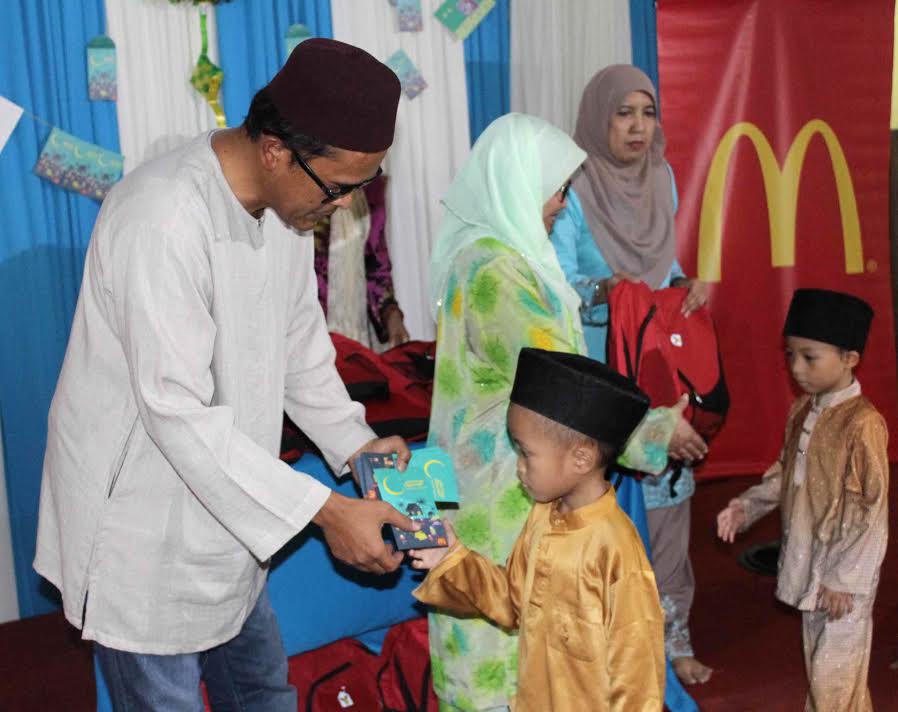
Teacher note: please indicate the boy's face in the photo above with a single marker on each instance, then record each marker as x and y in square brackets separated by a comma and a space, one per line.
[544, 467]
[819, 368]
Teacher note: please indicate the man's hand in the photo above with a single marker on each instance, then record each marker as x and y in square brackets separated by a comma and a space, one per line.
[352, 530]
[685, 444]
[395, 326]
[835, 603]
[384, 446]
[731, 520]
[428, 558]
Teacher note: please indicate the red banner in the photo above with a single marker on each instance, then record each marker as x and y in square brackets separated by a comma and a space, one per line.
[777, 123]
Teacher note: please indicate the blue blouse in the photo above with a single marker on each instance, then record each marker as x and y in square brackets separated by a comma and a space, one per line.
[584, 266]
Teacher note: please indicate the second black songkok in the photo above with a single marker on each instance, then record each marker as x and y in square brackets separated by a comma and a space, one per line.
[579, 392]
[842, 320]
[339, 94]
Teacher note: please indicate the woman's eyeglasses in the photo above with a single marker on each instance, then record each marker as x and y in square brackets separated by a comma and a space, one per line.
[333, 193]
[562, 192]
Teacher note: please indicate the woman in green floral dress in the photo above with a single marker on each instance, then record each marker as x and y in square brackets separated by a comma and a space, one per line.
[497, 287]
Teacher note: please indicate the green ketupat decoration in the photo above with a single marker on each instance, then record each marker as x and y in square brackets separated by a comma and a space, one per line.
[207, 77]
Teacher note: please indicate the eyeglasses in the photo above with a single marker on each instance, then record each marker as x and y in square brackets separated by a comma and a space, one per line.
[341, 190]
[564, 190]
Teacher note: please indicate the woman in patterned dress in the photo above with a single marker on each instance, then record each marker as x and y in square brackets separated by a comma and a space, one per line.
[497, 287]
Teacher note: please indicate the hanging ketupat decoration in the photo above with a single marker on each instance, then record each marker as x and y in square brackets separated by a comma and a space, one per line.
[207, 77]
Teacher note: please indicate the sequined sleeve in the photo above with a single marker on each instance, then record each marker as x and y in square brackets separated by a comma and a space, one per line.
[859, 539]
[763, 498]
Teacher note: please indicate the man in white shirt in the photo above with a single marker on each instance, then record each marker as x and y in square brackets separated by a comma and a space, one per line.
[197, 325]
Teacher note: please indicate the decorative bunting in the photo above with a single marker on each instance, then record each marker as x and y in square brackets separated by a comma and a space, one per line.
[462, 16]
[77, 165]
[9, 117]
[207, 77]
[295, 35]
[410, 77]
[410, 19]
[101, 69]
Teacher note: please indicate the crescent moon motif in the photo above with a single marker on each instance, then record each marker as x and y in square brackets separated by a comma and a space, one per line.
[438, 484]
[387, 487]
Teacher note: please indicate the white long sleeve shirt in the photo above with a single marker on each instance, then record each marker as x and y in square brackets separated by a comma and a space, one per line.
[162, 496]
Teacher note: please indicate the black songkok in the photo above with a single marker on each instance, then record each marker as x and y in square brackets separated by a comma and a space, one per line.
[339, 94]
[581, 393]
[834, 318]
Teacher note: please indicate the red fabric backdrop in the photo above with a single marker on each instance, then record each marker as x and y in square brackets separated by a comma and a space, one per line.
[773, 67]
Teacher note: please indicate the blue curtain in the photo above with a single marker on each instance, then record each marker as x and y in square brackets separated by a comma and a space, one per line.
[45, 235]
[487, 69]
[644, 36]
[251, 44]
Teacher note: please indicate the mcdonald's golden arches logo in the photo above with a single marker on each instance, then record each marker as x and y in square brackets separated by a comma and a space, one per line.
[781, 189]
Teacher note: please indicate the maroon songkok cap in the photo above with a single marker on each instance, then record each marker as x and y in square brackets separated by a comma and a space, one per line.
[338, 94]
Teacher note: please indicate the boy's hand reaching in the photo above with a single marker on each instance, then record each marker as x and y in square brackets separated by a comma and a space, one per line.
[835, 603]
[731, 520]
[428, 558]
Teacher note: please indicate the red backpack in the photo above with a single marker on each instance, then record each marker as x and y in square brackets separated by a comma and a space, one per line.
[395, 387]
[668, 354]
[404, 679]
[336, 677]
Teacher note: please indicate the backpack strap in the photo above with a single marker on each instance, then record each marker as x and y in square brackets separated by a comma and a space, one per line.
[310, 697]
[425, 688]
[640, 338]
[404, 688]
[676, 473]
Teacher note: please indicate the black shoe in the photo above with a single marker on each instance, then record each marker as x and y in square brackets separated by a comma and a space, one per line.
[761, 558]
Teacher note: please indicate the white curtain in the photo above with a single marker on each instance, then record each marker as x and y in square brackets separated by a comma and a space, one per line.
[432, 140]
[9, 602]
[157, 45]
[556, 47]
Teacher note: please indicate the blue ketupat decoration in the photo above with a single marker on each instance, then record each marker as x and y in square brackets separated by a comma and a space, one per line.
[101, 69]
[79, 166]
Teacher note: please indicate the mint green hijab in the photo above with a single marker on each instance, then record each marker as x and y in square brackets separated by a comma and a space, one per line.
[515, 166]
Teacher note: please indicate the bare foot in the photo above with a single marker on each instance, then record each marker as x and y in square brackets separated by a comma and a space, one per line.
[691, 671]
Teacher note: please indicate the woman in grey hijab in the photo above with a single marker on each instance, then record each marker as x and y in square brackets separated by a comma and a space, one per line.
[618, 224]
